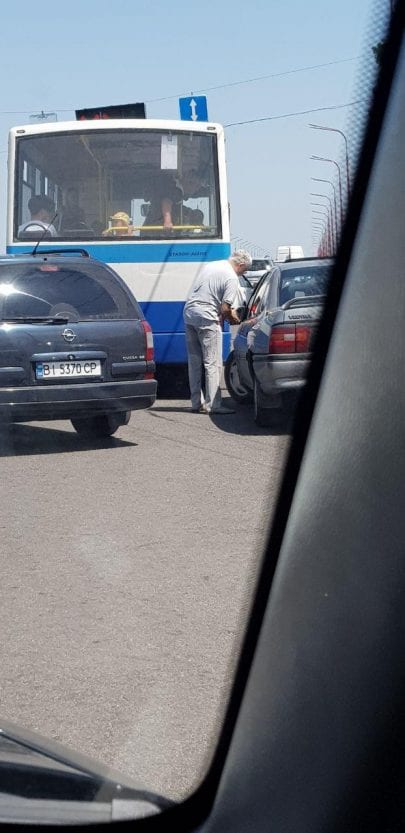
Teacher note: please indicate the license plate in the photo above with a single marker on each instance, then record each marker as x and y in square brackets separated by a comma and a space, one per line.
[68, 370]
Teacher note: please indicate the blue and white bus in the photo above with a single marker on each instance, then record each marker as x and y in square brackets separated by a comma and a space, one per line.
[107, 181]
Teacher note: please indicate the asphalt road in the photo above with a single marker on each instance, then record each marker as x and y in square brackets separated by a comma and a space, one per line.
[127, 572]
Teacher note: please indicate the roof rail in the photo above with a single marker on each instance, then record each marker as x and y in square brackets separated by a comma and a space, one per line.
[300, 259]
[82, 252]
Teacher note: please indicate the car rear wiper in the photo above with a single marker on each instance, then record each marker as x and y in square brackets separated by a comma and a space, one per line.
[34, 319]
[304, 301]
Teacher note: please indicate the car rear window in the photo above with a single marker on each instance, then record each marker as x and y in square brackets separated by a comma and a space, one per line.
[304, 281]
[86, 292]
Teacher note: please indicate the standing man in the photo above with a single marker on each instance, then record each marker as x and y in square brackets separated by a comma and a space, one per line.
[209, 302]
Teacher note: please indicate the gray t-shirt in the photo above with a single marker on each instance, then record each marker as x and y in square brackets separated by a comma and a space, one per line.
[216, 284]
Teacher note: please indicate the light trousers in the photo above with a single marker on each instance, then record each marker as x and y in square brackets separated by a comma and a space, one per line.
[204, 349]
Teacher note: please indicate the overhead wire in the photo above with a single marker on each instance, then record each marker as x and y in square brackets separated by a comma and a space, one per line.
[208, 89]
[256, 78]
[297, 113]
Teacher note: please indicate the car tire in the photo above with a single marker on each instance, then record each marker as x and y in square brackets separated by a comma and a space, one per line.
[234, 386]
[264, 417]
[103, 425]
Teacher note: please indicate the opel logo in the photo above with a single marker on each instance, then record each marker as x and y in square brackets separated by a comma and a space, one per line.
[68, 335]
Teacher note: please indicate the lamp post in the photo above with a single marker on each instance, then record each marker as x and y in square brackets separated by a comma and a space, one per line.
[317, 240]
[329, 182]
[325, 228]
[318, 243]
[325, 197]
[335, 130]
[323, 243]
[324, 159]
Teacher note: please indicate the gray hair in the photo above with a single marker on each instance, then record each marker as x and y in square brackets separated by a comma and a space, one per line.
[241, 258]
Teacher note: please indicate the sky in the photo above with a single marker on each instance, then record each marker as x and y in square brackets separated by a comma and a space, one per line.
[61, 57]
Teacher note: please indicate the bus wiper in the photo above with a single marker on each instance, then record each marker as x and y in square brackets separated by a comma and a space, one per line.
[34, 319]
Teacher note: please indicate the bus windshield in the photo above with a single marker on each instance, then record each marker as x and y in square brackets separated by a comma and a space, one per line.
[125, 183]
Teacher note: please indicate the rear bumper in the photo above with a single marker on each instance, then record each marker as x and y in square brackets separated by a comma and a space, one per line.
[279, 375]
[24, 404]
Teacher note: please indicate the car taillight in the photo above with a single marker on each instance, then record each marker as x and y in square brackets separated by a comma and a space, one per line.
[302, 338]
[149, 345]
[290, 338]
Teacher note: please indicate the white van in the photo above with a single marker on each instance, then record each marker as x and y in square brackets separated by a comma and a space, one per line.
[290, 252]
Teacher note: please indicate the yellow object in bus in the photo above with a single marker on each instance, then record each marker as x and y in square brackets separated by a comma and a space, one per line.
[120, 224]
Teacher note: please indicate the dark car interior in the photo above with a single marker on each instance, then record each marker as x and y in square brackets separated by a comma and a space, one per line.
[303, 282]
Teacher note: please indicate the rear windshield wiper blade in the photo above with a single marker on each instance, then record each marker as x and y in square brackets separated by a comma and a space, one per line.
[304, 301]
[34, 319]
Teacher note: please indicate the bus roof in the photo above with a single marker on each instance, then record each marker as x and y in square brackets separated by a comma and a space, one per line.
[116, 124]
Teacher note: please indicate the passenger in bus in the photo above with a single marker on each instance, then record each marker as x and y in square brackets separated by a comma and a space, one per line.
[120, 225]
[42, 211]
[72, 214]
[194, 185]
[165, 197]
[192, 216]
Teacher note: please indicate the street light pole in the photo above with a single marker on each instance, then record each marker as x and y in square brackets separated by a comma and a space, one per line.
[335, 130]
[325, 197]
[326, 232]
[324, 159]
[326, 227]
[329, 182]
[324, 241]
[317, 240]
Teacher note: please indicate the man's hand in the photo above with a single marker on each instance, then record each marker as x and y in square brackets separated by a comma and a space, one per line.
[229, 314]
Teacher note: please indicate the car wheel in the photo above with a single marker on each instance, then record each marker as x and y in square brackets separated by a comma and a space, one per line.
[104, 425]
[262, 416]
[232, 380]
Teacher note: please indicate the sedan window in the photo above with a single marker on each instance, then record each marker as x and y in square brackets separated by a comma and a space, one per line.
[258, 299]
[303, 282]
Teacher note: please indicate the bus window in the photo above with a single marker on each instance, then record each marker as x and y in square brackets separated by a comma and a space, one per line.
[121, 169]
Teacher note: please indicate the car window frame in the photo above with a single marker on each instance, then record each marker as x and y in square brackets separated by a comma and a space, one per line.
[266, 278]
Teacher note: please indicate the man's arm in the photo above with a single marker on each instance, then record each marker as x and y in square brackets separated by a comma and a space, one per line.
[229, 314]
[166, 206]
[229, 297]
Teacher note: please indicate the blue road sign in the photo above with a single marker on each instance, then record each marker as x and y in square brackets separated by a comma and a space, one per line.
[194, 108]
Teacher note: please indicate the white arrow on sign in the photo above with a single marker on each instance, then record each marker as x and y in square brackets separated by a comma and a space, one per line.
[193, 105]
